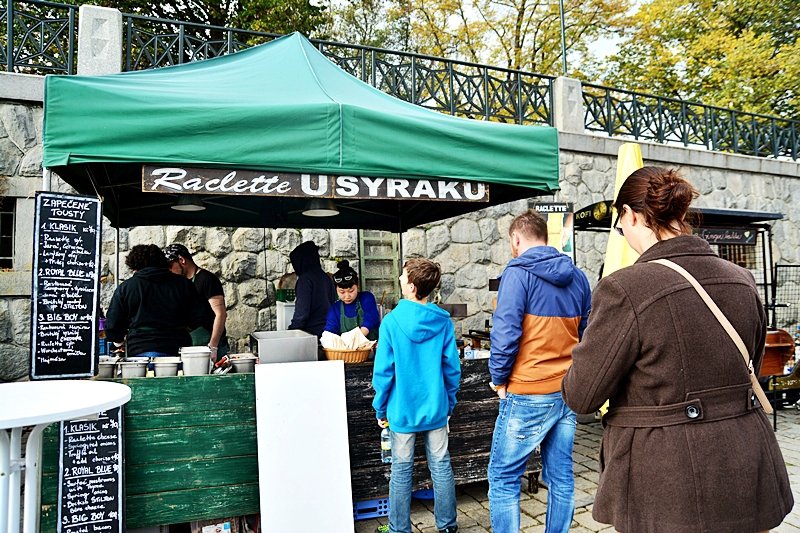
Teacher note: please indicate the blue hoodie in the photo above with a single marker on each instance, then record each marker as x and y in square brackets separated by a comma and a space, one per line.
[542, 309]
[417, 371]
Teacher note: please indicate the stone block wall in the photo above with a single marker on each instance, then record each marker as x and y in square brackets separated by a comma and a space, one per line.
[471, 249]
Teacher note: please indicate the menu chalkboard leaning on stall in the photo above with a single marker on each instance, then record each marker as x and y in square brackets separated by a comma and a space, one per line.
[66, 279]
[90, 475]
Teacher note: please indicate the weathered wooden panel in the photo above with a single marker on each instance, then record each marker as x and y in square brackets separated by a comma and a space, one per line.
[190, 451]
[471, 428]
[145, 510]
[191, 445]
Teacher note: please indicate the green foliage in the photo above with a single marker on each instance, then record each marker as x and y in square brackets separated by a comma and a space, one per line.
[273, 16]
[741, 54]
[517, 34]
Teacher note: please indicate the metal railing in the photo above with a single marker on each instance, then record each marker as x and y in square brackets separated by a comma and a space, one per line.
[40, 37]
[668, 120]
[455, 87]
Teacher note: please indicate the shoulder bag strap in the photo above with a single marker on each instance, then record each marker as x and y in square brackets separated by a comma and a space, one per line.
[726, 324]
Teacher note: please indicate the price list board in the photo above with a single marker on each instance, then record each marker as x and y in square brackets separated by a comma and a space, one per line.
[66, 267]
[90, 479]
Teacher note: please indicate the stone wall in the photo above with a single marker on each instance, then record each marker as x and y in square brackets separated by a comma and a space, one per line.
[471, 249]
[20, 173]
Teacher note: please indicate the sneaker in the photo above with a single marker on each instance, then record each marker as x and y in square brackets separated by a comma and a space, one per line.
[453, 529]
[384, 528]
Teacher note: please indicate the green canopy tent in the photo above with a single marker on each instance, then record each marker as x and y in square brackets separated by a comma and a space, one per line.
[281, 107]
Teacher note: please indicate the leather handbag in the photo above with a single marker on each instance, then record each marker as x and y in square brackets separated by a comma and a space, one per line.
[726, 324]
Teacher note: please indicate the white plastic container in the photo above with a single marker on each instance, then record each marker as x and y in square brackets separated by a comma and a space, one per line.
[107, 369]
[284, 346]
[196, 360]
[165, 368]
[133, 369]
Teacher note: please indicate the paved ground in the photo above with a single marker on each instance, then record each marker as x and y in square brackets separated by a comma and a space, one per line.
[473, 505]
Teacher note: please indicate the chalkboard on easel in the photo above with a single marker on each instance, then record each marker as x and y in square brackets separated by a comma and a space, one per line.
[66, 281]
[91, 475]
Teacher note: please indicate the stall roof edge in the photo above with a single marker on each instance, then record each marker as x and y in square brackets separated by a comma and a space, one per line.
[597, 216]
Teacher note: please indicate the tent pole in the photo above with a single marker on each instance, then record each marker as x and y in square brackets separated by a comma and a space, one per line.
[116, 257]
[47, 179]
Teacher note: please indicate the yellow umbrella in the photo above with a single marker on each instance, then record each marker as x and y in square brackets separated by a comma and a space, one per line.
[618, 253]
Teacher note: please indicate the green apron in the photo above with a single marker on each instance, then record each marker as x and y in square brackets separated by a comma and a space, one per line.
[347, 323]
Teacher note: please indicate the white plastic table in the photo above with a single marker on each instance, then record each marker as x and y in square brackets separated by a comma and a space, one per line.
[38, 404]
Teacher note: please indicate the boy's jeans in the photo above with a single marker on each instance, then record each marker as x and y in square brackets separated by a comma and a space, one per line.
[524, 421]
[444, 487]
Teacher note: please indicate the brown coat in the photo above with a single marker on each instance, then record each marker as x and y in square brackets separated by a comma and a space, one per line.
[651, 341]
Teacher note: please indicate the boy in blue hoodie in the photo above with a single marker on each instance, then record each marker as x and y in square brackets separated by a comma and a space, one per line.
[416, 377]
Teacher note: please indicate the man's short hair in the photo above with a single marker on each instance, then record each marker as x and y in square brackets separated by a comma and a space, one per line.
[145, 255]
[530, 224]
[424, 274]
[176, 250]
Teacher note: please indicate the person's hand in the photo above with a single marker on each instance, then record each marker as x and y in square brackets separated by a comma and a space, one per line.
[499, 389]
[213, 353]
[383, 423]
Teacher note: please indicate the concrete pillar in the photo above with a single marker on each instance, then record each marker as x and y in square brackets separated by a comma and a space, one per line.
[568, 111]
[99, 40]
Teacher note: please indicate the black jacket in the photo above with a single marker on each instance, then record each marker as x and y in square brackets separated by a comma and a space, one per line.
[155, 309]
[314, 290]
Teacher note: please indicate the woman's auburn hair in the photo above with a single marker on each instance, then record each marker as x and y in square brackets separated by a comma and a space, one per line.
[661, 195]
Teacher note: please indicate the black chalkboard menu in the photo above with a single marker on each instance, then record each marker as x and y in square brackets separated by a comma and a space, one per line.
[66, 279]
[90, 479]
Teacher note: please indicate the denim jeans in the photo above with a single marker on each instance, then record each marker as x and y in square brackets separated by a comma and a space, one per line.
[444, 487]
[524, 422]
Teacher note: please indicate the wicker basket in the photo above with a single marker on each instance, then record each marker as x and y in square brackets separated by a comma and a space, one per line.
[348, 356]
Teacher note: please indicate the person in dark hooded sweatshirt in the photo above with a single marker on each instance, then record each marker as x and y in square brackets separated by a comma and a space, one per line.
[543, 306]
[314, 290]
[154, 310]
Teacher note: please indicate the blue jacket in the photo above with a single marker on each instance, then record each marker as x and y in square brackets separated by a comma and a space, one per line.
[417, 371]
[542, 308]
[371, 317]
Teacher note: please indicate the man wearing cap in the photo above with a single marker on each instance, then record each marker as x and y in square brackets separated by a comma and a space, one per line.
[210, 288]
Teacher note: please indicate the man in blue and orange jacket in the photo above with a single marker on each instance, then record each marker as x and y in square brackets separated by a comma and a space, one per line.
[542, 309]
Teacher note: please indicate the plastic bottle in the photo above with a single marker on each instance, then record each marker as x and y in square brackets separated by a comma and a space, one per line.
[469, 353]
[386, 445]
[101, 335]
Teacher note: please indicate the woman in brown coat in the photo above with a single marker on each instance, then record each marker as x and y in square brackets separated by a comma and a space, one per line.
[670, 463]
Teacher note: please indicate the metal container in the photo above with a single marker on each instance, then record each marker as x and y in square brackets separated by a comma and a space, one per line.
[243, 364]
[284, 346]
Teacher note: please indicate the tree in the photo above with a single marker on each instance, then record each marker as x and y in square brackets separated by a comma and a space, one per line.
[741, 54]
[517, 34]
[272, 16]
[528, 33]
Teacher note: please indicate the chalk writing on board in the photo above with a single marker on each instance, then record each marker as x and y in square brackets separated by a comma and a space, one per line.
[91, 475]
[65, 286]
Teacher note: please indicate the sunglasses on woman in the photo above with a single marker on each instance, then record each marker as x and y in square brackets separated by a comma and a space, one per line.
[616, 222]
[340, 279]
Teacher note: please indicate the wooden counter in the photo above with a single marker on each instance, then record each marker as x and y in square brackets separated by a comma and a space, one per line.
[190, 445]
